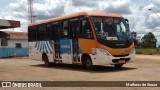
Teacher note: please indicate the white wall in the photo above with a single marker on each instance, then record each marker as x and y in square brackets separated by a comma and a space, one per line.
[12, 43]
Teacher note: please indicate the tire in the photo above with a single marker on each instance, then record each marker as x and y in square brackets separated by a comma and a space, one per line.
[118, 66]
[89, 65]
[46, 61]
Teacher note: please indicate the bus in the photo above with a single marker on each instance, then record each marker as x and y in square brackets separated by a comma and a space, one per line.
[84, 38]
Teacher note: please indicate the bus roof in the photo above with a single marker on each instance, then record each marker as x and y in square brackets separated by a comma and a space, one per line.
[75, 15]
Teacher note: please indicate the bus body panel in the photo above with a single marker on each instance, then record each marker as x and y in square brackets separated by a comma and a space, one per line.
[33, 52]
[86, 45]
[102, 59]
[37, 48]
[66, 51]
[117, 51]
[72, 50]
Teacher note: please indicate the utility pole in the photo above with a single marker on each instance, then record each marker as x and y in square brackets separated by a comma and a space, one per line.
[30, 11]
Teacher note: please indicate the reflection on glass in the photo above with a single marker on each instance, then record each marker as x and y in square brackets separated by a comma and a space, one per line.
[108, 28]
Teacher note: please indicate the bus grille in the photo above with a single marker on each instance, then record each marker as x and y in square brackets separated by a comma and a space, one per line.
[120, 55]
[116, 60]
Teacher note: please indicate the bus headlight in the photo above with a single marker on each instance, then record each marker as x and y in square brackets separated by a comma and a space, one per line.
[133, 51]
[104, 52]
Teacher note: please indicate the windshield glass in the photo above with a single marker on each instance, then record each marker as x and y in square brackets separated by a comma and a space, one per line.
[111, 28]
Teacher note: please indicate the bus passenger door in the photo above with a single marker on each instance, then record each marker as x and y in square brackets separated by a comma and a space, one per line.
[74, 30]
[65, 43]
[57, 50]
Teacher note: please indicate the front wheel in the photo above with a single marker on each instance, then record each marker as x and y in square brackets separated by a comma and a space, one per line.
[89, 65]
[118, 66]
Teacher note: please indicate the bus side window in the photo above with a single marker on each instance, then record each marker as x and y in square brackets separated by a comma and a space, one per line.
[86, 29]
[53, 32]
[49, 32]
[74, 29]
[65, 28]
[32, 33]
[41, 34]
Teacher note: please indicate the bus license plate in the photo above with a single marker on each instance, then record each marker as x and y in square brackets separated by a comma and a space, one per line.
[121, 61]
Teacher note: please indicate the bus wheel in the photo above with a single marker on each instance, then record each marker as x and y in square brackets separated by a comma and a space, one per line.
[118, 66]
[46, 61]
[89, 65]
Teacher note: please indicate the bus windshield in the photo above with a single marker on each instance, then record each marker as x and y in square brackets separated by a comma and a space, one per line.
[111, 28]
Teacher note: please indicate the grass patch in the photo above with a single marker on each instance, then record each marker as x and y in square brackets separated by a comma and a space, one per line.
[155, 51]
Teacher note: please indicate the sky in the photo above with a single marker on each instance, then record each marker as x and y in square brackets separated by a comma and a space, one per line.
[136, 11]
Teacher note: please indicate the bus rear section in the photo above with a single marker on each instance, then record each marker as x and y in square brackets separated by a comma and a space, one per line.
[86, 38]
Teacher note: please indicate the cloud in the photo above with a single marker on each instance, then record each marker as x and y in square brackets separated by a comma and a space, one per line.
[155, 4]
[49, 9]
[86, 3]
[118, 6]
[152, 22]
[19, 9]
[53, 8]
[141, 19]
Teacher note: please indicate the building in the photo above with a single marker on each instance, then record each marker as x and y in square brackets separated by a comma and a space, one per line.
[5, 24]
[12, 43]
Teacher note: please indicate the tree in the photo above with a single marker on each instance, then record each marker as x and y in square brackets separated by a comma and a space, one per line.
[148, 41]
[134, 34]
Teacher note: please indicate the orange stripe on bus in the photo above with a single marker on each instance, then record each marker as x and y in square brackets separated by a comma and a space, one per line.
[86, 45]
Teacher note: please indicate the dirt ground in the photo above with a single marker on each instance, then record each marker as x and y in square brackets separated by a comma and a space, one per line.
[145, 68]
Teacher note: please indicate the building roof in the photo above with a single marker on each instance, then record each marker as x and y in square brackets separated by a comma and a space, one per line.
[76, 14]
[17, 33]
[3, 35]
[4, 24]
[13, 35]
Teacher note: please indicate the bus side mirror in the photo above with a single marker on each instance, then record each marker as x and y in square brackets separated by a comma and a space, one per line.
[127, 22]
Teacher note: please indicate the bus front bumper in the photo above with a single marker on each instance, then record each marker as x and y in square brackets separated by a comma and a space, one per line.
[103, 58]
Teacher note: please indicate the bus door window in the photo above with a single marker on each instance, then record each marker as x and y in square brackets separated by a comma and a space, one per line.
[57, 35]
[65, 28]
[86, 29]
[65, 41]
[74, 34]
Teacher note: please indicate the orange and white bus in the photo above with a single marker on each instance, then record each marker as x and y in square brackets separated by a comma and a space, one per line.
[85, 38]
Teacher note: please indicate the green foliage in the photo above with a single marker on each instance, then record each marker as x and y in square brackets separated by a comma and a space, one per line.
[134, 35]
[148, 51]
[148, 41]
[148, 44]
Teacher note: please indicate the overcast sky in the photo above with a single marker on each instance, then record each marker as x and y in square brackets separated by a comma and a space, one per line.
[141, 19]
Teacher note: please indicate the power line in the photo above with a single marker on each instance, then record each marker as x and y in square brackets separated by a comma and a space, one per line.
[19, 12]
[154, 12]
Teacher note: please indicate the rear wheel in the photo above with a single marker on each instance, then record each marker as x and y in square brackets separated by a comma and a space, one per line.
[89, 65]
[46, 61]
[118, 66]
